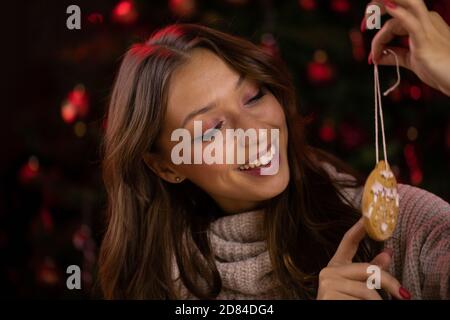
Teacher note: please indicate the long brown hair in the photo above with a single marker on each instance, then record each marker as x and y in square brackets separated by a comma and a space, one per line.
[150, 220]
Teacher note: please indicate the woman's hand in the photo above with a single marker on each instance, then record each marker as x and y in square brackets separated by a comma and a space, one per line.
[428, 55]
[344, 280]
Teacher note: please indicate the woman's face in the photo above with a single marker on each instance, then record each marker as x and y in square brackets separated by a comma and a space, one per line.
[232, 102]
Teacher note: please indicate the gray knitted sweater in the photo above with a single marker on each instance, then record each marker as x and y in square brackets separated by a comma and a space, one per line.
[420, 243]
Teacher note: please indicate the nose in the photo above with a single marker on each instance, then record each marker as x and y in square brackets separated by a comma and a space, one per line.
[241, 119]
[253, 138]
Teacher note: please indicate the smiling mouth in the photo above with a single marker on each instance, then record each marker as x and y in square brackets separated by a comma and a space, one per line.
[261, 162]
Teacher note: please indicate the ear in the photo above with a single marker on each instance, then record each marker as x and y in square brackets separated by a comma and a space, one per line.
[161, 168]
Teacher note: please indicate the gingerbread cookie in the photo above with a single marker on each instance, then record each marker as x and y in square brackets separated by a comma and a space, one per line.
[380, 202]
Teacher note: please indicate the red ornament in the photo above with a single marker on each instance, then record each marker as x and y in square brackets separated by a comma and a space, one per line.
[415, 92]
[81, 236]
[30, 170]
[76, 104]
[79, 99]
[47, 273]
[183, 8]
[95, 18]
[327, 132]
[125, 12]
[319, 70]
[307, 5]
[319, 73]
[416, 176]
[341, 6]
[68, 112]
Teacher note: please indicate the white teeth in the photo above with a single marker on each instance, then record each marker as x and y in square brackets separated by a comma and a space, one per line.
[266, 158]
[263, 160]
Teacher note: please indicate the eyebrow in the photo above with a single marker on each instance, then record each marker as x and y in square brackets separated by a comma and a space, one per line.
[209, 106]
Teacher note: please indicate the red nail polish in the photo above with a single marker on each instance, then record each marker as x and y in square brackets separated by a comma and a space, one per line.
[404, 293]
[363, 25]
[390, 4]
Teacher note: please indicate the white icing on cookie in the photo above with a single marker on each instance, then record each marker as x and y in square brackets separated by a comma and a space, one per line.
[386, 174]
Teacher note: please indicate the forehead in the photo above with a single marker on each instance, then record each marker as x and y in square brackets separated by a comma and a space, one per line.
[201, 80]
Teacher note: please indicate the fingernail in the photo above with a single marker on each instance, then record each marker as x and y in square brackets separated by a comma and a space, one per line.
[390, 4]
[363, 24]
[389, 251]
[369, 60]
[404, 293]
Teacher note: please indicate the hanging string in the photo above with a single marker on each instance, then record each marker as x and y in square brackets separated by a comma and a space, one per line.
[397, 64]
[378, 104]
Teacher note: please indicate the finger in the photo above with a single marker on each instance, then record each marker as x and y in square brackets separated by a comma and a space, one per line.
[391, 285]
[383, 259]
[355, 289]
[403, 56]
[392, 28]
[437, 21]
[361, 272]
[355, 271]
[416, 7]
[349, 244]
[410, 22]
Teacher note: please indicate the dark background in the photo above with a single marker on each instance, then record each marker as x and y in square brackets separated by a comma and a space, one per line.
[55, 88]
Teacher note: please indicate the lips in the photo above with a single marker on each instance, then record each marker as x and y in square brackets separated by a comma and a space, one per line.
[261, 171]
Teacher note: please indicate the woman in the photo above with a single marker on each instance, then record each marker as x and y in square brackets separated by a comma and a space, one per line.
[224, 230]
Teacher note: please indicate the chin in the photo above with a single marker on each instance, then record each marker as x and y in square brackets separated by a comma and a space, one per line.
[272, 187]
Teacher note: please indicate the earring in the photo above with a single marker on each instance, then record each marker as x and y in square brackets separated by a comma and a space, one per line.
[177, 179]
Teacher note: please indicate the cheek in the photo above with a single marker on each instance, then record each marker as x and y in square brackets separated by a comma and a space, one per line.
[274, 112]
[274, 116]
[205, 176]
